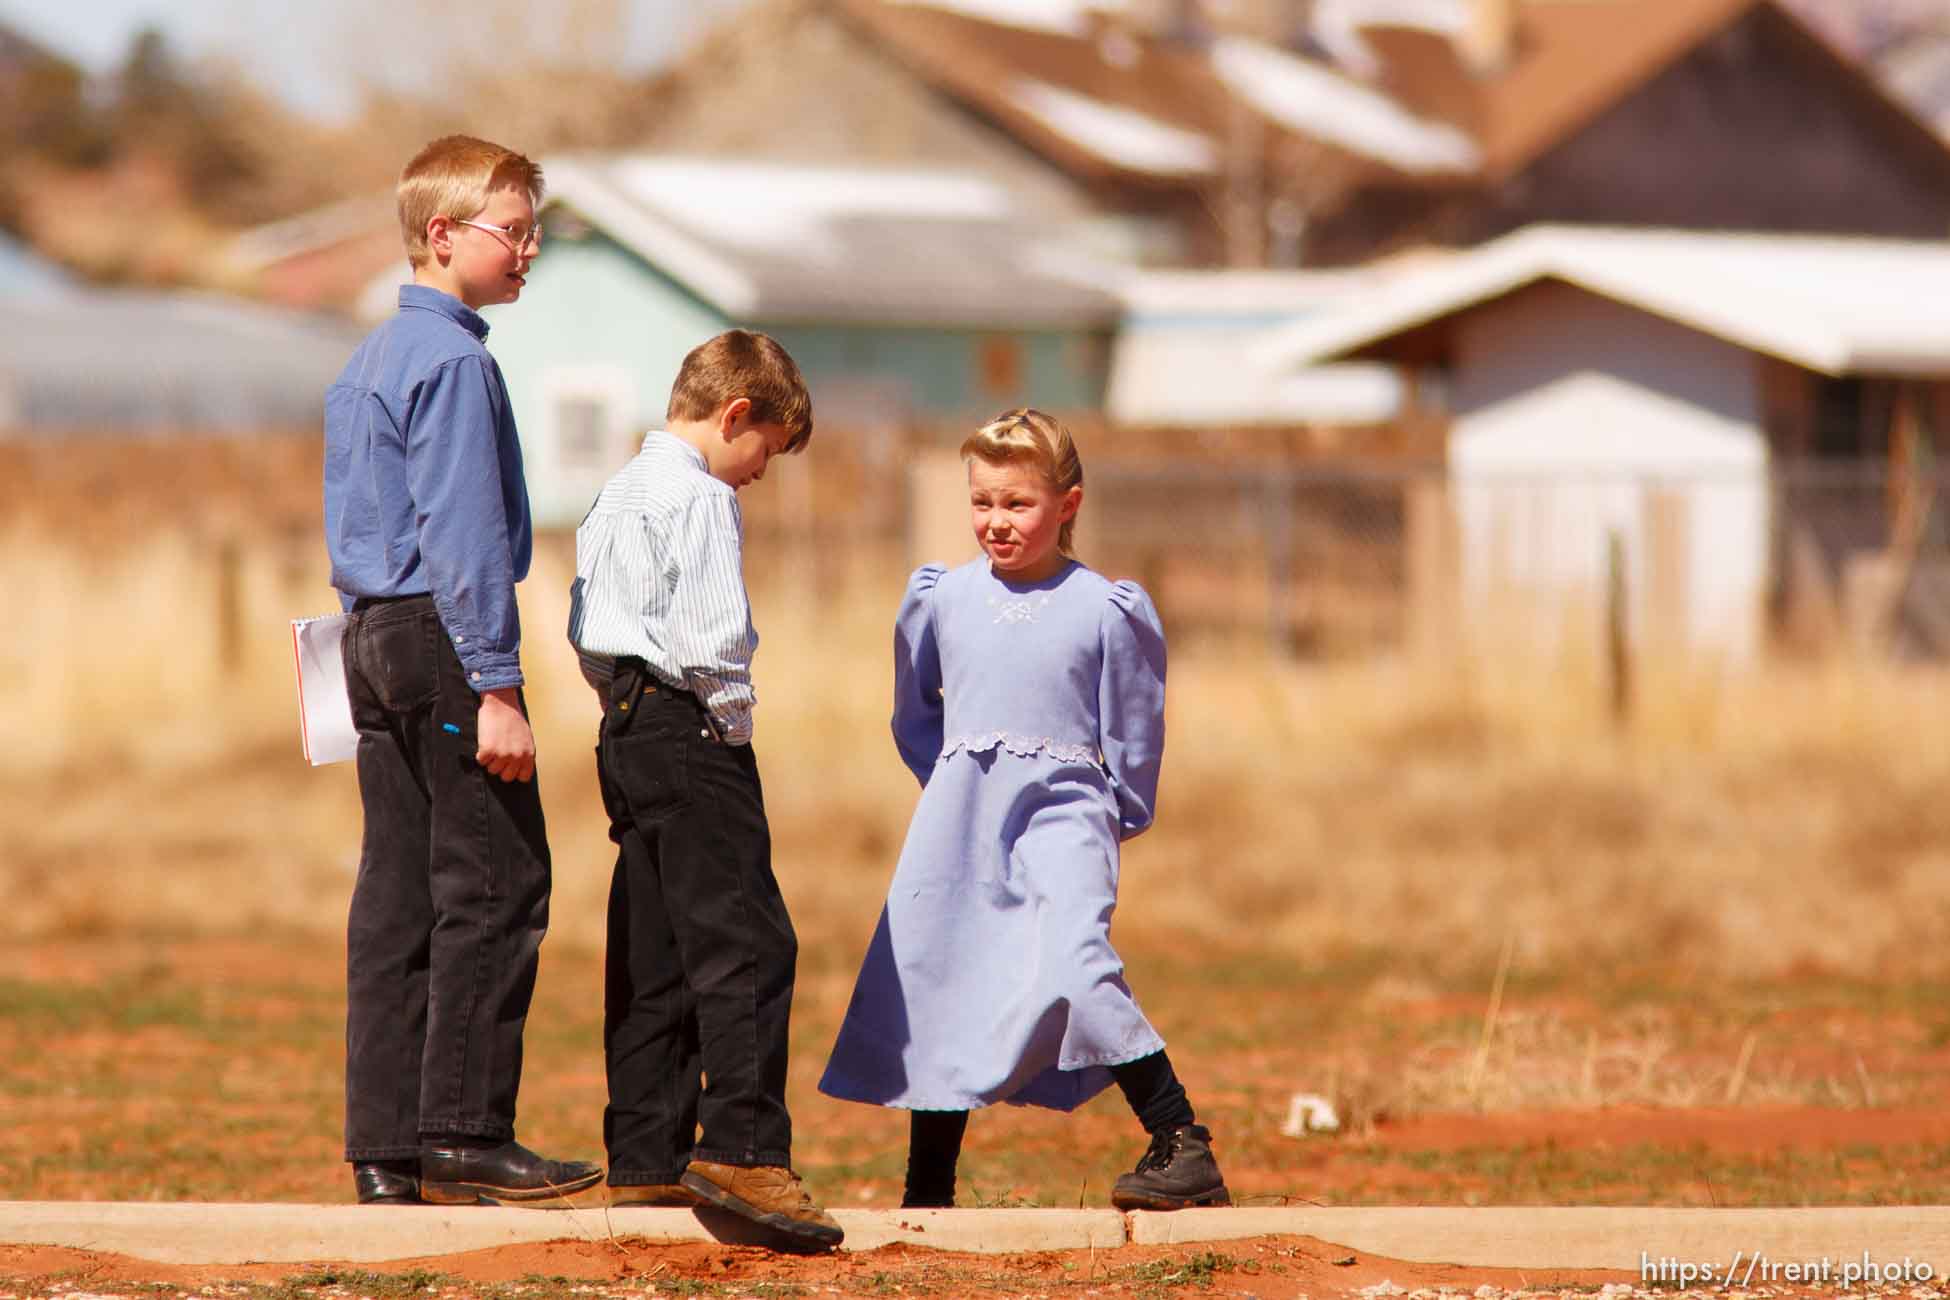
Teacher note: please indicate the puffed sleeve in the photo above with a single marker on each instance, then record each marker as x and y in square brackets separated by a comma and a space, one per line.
[1131, 703]
[917, 675]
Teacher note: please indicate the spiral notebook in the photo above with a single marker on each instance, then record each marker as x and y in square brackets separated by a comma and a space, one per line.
[324, 708]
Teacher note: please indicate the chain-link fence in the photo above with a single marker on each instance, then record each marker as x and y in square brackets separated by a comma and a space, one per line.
[1860, 553]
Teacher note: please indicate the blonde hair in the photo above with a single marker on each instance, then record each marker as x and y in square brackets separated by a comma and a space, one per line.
[454, 177]
[1025, 435]
[747, 364]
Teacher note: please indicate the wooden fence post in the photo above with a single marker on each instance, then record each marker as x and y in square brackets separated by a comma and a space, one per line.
[1434, 569]
[1618, 645]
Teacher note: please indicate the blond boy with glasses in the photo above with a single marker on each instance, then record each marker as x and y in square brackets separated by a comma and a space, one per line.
[427, 523]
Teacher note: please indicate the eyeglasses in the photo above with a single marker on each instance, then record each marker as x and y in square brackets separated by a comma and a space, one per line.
[516, 236]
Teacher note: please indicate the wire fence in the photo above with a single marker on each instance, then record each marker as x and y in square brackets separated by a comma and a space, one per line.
[1325, 561]
[1313, 560]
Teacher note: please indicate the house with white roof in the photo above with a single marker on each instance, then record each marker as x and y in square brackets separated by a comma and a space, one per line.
[911, 298]
[1266, 133]
[1278, 133]
[1659, 387]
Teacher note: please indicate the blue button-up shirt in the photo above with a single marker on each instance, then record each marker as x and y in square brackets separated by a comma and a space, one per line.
[424, 490]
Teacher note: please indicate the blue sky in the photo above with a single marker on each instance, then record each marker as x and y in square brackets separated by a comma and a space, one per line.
[302, 51]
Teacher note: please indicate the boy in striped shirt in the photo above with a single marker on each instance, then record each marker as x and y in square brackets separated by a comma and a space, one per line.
[701, 951]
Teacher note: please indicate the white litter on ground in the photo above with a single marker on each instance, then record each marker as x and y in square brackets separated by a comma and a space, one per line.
[1310, 1113]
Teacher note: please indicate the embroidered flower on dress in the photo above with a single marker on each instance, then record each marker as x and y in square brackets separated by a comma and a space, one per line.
[1021, 609]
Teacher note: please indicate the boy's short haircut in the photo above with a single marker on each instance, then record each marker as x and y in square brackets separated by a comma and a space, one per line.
[453, 177]
[747, 364]
[1025, 435]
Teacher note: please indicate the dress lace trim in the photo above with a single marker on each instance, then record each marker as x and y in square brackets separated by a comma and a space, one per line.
[1022, 746]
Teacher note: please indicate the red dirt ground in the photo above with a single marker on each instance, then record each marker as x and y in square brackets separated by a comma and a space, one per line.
[1271, 1268]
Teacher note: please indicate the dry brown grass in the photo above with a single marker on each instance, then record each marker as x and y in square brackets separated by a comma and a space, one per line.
[1787, 817]
[1733, 902]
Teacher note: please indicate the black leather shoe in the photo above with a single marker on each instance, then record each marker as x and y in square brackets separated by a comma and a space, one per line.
[452, 1175]
[1177, 1173]
[387, 1182]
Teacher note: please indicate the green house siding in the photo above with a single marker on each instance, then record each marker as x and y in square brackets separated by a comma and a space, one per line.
[597, 328]
[591, 350]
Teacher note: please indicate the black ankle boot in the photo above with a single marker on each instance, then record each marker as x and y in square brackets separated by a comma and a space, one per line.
[1177, 1172]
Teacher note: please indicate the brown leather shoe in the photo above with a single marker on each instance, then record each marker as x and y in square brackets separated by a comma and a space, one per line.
[771, 1195]
[666, 1194]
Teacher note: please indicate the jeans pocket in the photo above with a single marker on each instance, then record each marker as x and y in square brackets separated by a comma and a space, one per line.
[397, 659]
[652, 774]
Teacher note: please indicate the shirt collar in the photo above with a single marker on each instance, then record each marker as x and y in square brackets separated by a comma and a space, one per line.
[426, 298]
[674, 443]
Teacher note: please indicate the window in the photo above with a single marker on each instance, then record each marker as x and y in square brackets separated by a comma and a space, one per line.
[580, 423]
[1001, 365]
[590, 424]
[1838, 417]
[1852, 417]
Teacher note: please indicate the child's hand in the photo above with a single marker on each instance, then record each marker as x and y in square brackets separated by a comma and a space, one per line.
[506, 746]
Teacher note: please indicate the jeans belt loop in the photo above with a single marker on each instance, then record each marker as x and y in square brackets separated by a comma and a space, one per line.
[632, 681]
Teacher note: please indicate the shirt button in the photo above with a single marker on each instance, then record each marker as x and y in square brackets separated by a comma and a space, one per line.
[460, 640]
[477, 677]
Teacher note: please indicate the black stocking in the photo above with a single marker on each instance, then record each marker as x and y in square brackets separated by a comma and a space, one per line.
[933, 1148]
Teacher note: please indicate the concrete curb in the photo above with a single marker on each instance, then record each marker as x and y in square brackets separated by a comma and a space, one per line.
[1627, 1239]
[205, 1233]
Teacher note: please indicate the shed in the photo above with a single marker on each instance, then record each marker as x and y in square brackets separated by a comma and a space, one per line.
[1648, 385]
[319, 259]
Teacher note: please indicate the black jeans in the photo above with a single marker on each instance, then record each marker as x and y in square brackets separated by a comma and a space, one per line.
[452, 898]
[701, 951]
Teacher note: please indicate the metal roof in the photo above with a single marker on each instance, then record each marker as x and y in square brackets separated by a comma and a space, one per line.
[774, 241]
[115, 362]
[1834, 305]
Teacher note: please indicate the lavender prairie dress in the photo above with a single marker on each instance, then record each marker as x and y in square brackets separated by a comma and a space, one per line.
[1033, 714]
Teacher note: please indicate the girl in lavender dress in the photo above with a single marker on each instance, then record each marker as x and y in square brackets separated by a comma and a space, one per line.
[1029, 700]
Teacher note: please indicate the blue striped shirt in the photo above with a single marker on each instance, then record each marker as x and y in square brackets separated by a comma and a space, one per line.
[660, 575]
[424, 491]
